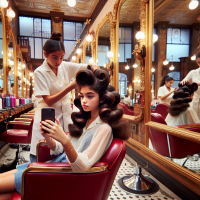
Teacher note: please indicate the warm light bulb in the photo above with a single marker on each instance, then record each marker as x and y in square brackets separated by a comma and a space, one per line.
[23, 65]
[153, 69]
[104, 65]
[89, 38]
[71, 3]
[31, 74]
[193, 4]
[193, 57]
[155, 38]
[110, 54]
[118, 55]
[78, 51]
[166, 62]
[135, 65]
[127, 67]
[10, 13]
[33, 88]
[91, 60]
[9, 54]
[139, 35]
[171, 67]
[73, 58]
[11, 62]
[3, 3]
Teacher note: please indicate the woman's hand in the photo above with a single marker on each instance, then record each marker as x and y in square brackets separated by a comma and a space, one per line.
[94, 66]
[183, 82]
[55, 131]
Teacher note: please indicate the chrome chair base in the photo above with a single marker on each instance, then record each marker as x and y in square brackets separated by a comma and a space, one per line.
[138, 184]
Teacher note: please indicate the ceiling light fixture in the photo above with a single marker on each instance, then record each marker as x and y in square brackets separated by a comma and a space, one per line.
[166, 62]
[71, 3]
[153, 69]
[171, 67]
[135, 65]
[155, 38]
[110, 54]
[127, 67]
[193, 4]
[139, 35]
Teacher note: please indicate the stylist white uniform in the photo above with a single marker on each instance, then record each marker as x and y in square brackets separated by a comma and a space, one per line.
[47, 83]
[194, 76]
[162, 91]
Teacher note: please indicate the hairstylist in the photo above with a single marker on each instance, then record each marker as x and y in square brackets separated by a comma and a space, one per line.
[194, 76]
[52, 83]
[165, 92]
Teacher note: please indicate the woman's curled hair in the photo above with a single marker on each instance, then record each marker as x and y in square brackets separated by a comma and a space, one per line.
[181, 98]
[109, 112]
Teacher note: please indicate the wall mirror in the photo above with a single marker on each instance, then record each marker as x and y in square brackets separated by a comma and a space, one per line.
[178, 31]
[88, 53]
[1, 54]
[20, 70]
[103, 45]
[129, 65]
[11, 67]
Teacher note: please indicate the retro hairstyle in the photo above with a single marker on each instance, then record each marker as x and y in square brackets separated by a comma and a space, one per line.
[108, 110]
[54, 43]
[165, 78]
[198, 55]
[181, 98]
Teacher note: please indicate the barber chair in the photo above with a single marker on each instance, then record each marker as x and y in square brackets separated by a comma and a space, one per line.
[57, 181]
[27, 116]
[162, 109]
[18, 132]
[126, 110]
[169, 145]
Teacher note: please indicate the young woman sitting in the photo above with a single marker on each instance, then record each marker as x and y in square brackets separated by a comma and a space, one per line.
[91, 133]
[180, 112]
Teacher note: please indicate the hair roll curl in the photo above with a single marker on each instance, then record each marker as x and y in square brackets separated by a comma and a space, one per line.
[181, 98]
[109, 112]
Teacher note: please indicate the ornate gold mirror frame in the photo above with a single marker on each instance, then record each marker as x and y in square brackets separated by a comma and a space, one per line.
[183, 175]
[107, 18]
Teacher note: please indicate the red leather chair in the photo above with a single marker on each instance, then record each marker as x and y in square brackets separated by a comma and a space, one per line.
[169, 145]
[18, 132]
[56, 180]
[162, 109]
[126, 110]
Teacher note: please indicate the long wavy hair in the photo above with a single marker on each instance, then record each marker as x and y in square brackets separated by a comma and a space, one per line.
[109, 112]
[182, 98]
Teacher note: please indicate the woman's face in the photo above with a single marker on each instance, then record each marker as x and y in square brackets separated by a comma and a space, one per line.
[55, 58]
[168, 84]
[198, 61]
[89, 99]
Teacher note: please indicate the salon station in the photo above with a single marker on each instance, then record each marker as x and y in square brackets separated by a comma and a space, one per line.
[140, 43]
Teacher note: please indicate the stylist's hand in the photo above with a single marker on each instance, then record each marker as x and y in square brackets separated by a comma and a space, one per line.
[94, 66]
[184, 82]
[174, 90]
[55, 130]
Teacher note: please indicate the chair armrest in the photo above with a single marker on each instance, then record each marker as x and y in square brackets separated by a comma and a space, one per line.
[23, 119]
[18, 125]
[63, 167]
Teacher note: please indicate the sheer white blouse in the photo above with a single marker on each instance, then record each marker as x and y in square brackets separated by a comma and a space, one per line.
[187, 117]
[101, 137]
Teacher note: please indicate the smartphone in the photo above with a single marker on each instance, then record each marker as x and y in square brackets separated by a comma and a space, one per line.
[48, 113]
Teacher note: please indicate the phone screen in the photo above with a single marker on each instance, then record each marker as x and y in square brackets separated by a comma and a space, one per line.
[48, 113]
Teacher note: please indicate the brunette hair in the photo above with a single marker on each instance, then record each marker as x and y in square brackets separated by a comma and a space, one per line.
[165, 78]
[181, 98]
[108, 110]
[198, 55]
[54, 43]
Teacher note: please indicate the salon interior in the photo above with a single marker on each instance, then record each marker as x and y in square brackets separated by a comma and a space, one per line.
[137, 42]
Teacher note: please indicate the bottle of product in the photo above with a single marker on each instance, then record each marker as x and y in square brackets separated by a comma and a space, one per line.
[17, 102]
[4, 102]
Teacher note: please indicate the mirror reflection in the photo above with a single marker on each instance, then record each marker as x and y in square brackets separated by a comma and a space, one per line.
[103, 45]
[11, 67]
[129, 65]
[20, 69]
[1, 57]
[89, 58]
[174, 61]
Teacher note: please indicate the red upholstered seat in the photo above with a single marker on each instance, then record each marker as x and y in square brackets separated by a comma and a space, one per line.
[162, 109]
[19, 132]
[175, 147]
[126, 110]
[51, 181]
